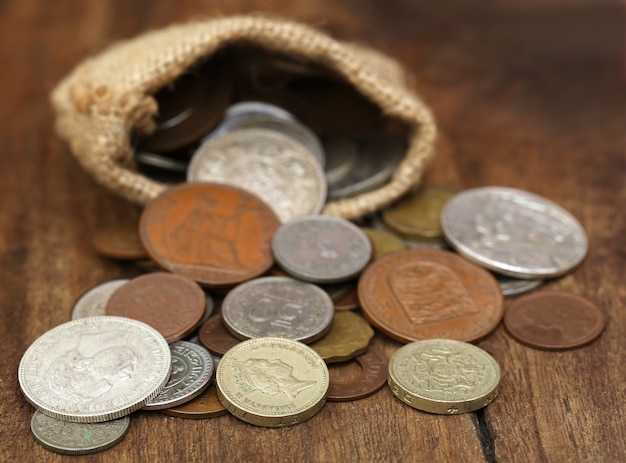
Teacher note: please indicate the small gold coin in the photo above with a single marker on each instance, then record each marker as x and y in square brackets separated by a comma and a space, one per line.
[418, 215]
[383, 242]
[349, 336]
[444, 376]
[272, 381]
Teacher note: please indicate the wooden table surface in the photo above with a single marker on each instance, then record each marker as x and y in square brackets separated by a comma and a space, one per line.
[526, 94]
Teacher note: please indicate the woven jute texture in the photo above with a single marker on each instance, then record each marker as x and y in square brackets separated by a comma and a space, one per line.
[109, 95]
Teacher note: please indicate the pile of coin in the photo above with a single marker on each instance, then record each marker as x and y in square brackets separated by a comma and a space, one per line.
[249, 276]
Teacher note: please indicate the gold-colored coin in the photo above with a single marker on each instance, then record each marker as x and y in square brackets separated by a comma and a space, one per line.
[272, 381]
[444, 376]
[383, 242]
[349, 336]
[418, 214]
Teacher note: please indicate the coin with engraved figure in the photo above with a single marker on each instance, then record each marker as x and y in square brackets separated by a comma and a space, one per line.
[372, 377]
[349, 336]
[321, 249]
[217, 235]
[271, 165]
[192, 369]
[205, 406]
[93, 302]
[278, 306]
[272, 382]
[70, 438]
[428, 293]
[514, 232]
[444, 376]
[554, 320]
[94, 369]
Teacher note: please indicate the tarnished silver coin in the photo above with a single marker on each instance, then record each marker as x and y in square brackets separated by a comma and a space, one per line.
[278, 306]
[514, 232]
[192, 370]
[77, 438]
[377, 157]
[321, 249]
[94, 369]
[93, 302]
[271, 165]
[515, 286]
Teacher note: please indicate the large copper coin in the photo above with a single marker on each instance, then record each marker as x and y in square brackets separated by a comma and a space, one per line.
[215, 337]
[171, 304]
[418, 294]
[119, 242]
[217, 235]
[554, 320]
[206, 405]
[373, 376]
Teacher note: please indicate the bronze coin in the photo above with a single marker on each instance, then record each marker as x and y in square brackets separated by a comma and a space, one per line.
[348, 302]
[417, 294]
[373, 376]
[217, 235]
[206, 405]
[554, 320]
[119, 242]
[171, 304]
[215, 337]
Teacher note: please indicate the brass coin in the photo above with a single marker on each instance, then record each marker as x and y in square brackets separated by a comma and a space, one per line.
[215, 337]
[349, 336]
[383, 242]
[272, 382]
[119, 242]
[217, 235]
[171, 304]
[427, 293]
[418, 214]
[554, 320]
[444, 376]
[206, 405]
[373, 376]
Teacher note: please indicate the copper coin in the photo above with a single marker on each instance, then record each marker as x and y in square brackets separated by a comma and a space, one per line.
[215, 337]
[418, 294]
[206, 405]
[554, 320]
[348, 302]
[171, 304]
[119, 242]
[373, 376]
[217, 235]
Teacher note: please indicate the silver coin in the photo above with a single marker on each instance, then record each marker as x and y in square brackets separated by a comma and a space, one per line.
[192, 370]
[515, 286]
[161, 162]
[268, 164]
[278, 306]
[93, 302]
[378, 157]
[341, 156]
[514, 232]
[77, 438]
[321, 249]
[94, 369]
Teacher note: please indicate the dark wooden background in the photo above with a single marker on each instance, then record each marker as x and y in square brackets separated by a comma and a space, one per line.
[528, 94]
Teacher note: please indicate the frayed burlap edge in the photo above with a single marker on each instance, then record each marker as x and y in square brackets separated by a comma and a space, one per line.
[106, 96]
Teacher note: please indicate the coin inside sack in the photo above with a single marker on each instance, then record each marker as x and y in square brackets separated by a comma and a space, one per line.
[192, 370]
[119, 242]
[266, 163]
[171, 304]
[272, 382]
[214, 234]
[93, 302]
[321, 249]
[95, 369]
[372, 377]
[349, 336]
[514, 232]
[77, 438]
[278, 306]
[215, 337]
[444, 376]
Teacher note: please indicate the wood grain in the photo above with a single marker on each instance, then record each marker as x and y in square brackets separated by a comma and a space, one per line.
[526, 94]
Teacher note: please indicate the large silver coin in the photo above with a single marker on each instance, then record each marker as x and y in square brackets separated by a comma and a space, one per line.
[378, 157]
[192, 369]
[77, 438]
[278, 306]
[515, 286]
[94, 369]
[93, 302]
[514, 232]
[268, 164]
[321, 249]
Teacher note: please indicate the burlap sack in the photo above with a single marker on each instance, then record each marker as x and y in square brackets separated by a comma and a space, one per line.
[107, 96]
